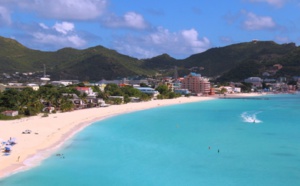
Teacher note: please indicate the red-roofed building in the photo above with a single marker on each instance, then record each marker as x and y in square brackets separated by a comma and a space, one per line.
[87, 90]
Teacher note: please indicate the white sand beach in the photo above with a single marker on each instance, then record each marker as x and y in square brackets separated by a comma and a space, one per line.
[48, 133]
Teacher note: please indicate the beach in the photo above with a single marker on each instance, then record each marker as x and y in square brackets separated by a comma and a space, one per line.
[48, 133]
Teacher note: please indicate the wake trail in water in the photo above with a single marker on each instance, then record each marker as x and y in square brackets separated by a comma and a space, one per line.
[250, 117]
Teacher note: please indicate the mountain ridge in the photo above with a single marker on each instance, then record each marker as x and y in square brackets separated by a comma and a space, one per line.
[96, 63]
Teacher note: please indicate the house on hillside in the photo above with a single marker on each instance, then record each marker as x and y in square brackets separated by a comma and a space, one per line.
[61, 83]
[255, 81]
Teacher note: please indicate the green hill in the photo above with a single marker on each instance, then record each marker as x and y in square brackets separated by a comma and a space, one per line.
[93, 63]
[217, 61]
[230, 63]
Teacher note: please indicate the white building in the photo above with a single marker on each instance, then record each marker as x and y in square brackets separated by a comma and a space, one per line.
[148, 90]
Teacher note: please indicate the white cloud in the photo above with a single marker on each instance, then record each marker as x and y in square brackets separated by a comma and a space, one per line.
[65, 9]
[76, 41]
[4, 16]
[58, 41]
[59, 35]
[129, 20]
[277, 3]
[64, 27]
[135, 50]
[43, 26]
[191, 39]
[134, 20]
[254, 22]
[177, 44]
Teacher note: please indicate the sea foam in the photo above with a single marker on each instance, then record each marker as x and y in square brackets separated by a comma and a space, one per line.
[251, 117]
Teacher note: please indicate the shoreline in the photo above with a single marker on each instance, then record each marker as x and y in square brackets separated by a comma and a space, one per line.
[50, 133]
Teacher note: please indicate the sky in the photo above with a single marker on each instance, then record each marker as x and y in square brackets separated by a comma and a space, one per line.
[148, 28]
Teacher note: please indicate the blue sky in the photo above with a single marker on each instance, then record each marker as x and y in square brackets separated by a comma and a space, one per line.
[147, 28]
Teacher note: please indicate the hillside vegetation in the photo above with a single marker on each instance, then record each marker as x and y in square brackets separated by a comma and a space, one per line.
[230, 63]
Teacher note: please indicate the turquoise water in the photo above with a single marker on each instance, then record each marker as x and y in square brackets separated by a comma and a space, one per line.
[224, 142]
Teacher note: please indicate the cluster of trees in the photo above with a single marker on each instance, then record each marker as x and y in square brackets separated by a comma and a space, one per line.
[126, 91]
[29, 102]
[166, 93]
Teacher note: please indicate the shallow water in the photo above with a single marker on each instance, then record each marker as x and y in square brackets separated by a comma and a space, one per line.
[219, 142]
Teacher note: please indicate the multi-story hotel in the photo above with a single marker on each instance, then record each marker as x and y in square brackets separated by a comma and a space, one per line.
[196, 84]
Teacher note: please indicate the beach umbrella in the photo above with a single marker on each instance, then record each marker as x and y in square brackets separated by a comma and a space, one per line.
[12, 141]
[7, 148]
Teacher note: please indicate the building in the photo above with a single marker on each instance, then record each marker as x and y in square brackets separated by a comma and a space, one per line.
[2, 87]
[196, 84]
[148, 90]
[86, 90]
[34, 86]
[10, 113]
[255, 81]
[124, 81]
[182, 91]
[16, 87]
[61, 83]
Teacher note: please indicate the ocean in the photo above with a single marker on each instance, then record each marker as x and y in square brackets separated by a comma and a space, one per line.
[222, 142]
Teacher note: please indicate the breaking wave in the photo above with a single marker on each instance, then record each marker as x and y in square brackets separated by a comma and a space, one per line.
[250, 117]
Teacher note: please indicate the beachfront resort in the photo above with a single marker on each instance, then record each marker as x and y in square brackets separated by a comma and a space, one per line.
[50, 123]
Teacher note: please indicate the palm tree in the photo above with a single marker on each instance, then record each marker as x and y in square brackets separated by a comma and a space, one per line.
[66, 105]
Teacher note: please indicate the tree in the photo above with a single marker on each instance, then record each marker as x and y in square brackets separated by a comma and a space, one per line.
[103, 95]
[11, 99]
[81, 85]
[246, 87]
[30, 102]
[166, 93]
[223, 90]
[26, 101]
[96, 89]
[126, 99]
[130, 91]
[143, 85]
[116, 101]
[172, 95]
[113, 90]
[162, 89]
[145, 97]
[66, 105]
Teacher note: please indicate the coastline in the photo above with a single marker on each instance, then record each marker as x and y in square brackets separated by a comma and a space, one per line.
[50, 133]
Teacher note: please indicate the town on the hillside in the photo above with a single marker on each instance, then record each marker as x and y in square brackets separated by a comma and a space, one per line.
[45, 96]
